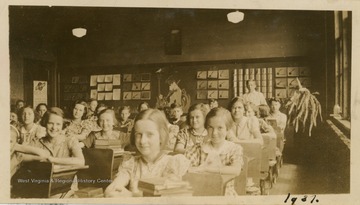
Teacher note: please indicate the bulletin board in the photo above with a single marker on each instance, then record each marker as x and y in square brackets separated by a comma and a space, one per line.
[105, 87]
[136, 86]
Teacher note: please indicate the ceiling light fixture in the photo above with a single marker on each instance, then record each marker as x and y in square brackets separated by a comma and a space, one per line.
[235, 17]
[79, 32]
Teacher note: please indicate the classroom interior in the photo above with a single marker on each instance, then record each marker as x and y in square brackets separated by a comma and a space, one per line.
[148, 49]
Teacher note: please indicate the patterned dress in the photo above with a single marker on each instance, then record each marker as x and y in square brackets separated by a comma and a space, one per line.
[32, 136]
[136, 167]
[188, 137]
[85, 126]
[229, 154]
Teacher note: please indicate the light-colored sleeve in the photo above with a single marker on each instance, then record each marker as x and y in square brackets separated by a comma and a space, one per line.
[282, 121]
[75, 148]
[236, 155]
[126, 168]
[231, 135]
[262, 99]
[177, 165]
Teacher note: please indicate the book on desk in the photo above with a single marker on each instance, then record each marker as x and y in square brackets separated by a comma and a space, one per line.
[160, 186]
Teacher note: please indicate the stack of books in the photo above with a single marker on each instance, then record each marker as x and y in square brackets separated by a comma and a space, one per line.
[115, 145]
[90, 192]
[161, 187]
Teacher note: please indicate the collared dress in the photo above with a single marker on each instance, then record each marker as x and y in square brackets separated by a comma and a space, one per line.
[32, 136]
[228, 154]
[188, 137]
[244, 129]
[62, 147]
[135, 167]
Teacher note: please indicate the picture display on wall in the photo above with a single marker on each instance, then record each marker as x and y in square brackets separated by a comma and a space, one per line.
[286, 80]
[105, 87]
[136, 86]
[210, 83]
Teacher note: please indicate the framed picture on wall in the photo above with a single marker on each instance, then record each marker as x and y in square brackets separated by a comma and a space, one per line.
[280, 72]
[136, 86]
[145, 95]
[212, 94]
[127, 95]
[145, 86]
[201, 94]
[223, 74]
[201, 84]
[127, 77]
[136, 95]
[201, 74]
[223, 94]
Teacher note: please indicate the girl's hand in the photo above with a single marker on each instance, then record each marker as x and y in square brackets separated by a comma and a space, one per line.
[43, 154]
[50, 159]
[117, 191]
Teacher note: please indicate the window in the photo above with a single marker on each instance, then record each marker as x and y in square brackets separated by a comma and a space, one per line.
[343, 62]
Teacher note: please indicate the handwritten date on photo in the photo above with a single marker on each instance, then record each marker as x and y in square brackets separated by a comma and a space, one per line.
[312, 199]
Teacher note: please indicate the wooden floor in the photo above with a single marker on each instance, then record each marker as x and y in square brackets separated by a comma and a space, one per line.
[314, 170]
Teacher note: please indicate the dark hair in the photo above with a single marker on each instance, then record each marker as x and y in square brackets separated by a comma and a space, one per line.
[274, 100]
[39, 105]
[21, 111]
[158, 117]
[124, 108]
[264, 110]
[142, 103]
[81, 102]
[99, 106]
[221, 112]
[235, 100]
[52, 111]
[200, 106]
[110, 111]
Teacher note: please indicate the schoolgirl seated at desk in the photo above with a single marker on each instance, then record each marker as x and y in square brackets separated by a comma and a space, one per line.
[149, 136]
[244, 128]
[62, 149]
[79, 127]
[196, 132]
[30, 131]
[106, 122]
[217, 155]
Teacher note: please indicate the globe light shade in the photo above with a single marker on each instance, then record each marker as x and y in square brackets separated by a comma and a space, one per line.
[79, 32]
[235, 17]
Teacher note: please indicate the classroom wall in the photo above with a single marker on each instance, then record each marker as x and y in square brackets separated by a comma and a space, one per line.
[258, 36]
[20, 50]
[261, 38]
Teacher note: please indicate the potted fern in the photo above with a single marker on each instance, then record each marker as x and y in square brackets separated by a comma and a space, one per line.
[303, 109]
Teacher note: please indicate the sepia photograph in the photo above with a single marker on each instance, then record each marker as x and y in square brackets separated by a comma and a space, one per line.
[180, 104]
